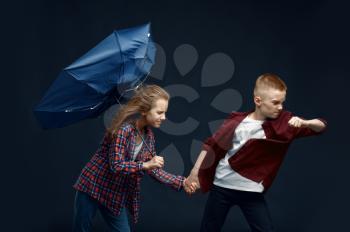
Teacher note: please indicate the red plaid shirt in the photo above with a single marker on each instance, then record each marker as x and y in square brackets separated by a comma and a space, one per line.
[113, 178]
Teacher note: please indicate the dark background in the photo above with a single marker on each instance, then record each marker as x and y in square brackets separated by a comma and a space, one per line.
[305, 42]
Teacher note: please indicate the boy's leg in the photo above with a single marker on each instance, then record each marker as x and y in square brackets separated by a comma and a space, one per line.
[118, 223]
[84, 211]
[256, 212]
[218, 204]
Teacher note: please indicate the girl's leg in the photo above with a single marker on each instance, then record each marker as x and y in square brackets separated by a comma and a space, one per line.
[84, 211]
[116, 223]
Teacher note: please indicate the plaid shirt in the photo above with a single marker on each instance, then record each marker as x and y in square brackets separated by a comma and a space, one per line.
[113, 178]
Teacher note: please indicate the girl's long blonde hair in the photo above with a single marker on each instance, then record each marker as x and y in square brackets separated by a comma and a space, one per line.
[142, 101]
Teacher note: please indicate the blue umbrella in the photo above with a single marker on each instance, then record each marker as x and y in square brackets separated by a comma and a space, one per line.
[98, 79]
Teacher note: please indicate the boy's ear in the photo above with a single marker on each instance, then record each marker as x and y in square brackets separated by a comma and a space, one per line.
[257, 100]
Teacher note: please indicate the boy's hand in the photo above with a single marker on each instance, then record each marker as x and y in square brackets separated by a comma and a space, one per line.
[189, 187]
[192, 183]
[297, 122]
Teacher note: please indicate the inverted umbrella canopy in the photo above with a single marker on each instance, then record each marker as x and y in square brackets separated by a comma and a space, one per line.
[98, 79]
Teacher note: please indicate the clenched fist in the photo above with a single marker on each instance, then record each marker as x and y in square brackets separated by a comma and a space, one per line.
[155, 162]
[297, 122]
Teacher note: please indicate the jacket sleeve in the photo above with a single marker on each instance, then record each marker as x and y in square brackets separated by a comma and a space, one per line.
[117, 152]
[305, 131]
[216, 138]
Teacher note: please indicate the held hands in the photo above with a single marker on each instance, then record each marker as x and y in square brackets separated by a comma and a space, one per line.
[298, 122]
[155, 162]
[189, 187]
[191, 184]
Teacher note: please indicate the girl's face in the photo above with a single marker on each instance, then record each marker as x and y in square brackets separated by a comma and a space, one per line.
[156, 115]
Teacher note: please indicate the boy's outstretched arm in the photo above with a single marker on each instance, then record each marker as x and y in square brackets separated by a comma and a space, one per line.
[313, 124]
[193, 177]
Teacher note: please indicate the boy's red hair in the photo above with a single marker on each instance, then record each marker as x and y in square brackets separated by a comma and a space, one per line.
[269, 80]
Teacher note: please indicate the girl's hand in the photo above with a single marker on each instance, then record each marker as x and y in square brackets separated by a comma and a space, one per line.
[155, 162]
[189, 187]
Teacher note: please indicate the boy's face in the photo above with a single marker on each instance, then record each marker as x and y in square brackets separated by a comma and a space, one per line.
[270, 102]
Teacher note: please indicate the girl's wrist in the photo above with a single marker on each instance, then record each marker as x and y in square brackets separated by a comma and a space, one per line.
[145, 166]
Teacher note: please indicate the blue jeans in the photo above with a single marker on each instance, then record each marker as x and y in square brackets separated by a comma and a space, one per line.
[85, 208]
[253, 206]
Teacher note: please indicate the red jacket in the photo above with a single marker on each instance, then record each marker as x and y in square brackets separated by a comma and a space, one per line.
[258, 159]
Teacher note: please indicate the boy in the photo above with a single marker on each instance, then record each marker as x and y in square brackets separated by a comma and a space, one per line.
[239, 162]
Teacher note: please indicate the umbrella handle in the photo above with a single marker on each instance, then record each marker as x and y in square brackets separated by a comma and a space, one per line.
[138, 132]
[144, 142]
[118, 100]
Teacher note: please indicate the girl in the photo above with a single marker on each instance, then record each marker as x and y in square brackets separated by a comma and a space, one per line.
[110, 181]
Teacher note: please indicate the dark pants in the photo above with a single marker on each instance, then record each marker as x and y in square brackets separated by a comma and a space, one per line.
[85, 208]
[252, 204]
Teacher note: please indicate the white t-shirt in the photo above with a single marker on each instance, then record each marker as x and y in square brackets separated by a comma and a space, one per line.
[137, 150]
[225, 176]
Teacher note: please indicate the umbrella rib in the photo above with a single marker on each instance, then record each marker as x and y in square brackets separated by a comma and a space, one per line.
[121, 51]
